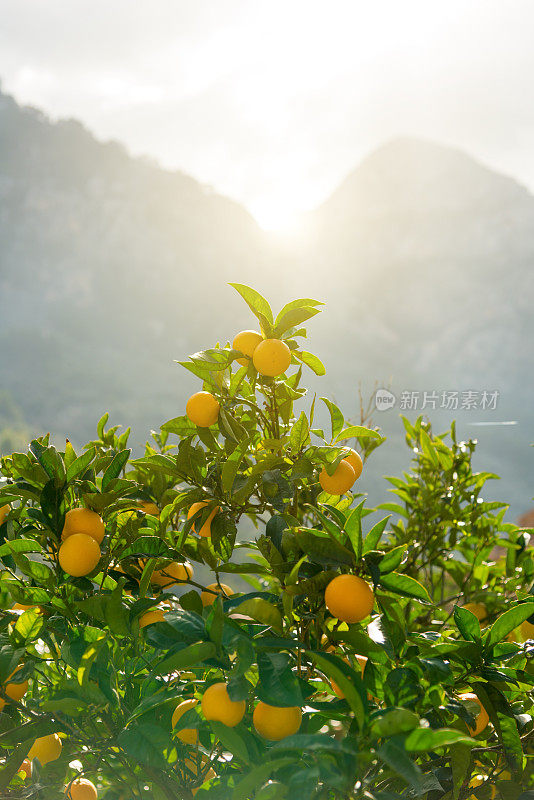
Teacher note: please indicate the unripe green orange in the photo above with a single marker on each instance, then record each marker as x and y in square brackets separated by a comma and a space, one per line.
[349, 598]
[202, 408]
[274, 722]
[341, 481]
[246, 342]
[83, 520]
[217, 705]
[79, 554]
[272, 357]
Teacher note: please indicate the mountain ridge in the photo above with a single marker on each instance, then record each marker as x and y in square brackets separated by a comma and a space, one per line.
[111, 267]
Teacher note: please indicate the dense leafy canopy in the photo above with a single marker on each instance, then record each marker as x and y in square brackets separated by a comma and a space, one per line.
[451, 582]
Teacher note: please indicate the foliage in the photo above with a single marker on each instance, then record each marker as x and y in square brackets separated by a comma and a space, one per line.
[110, 686]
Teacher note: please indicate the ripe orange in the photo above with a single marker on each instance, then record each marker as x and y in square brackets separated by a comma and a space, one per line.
[205, 530]
[275, 723]
[246, 342]
[83, 520]
[149, 508]
[172, 573]
[79, 554]
[186, 735]
[341, 481]
[46, 748]
[15, 691]
[202, 409]
[354, 459]
[272, 357]
[208, 597]
[82, 789]
[217, 705]
[4, 511]
[481, 719]
[349, 598]
[151, 616]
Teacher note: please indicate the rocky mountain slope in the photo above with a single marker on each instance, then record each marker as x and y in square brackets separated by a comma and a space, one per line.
[111, 267]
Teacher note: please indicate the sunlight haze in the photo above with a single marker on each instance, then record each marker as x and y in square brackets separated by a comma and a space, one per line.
[274, 103]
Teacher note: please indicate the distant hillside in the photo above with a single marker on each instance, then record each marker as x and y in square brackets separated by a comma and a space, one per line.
[111, 267]
[430, 256]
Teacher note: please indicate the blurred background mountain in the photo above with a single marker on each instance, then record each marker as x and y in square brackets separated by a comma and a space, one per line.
[111, 267]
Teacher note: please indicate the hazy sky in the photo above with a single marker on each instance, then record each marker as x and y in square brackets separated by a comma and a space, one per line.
[274, 102]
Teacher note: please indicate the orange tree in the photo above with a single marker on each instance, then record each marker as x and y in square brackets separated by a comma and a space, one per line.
[329, 652]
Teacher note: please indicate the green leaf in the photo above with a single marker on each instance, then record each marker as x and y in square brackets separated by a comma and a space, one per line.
[258, 305]
[50, 460]
[29, 625]
[118, 462]
[181, 426]
[231, 741]
[357, 432]
[460, 764]
[101, 425]
[404, 585]
[374, 535]
[231, 465]
[348, 681]
[302, 302]
[467, 623]
[425, 740]
[80, 465]
[88, 658]
[395, 756]
[262, 611]
[336, 417]
[292, 318]
[311, 361]
[322, 549]
[186, 657]
[300, 433]
[20, 546]
[145, 743]
[508, 621]
[257, 776]
[353, 527]
[278, 685]
[392, 559]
